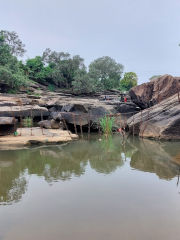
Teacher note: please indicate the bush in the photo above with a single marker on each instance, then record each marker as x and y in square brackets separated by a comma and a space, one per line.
[51, 87]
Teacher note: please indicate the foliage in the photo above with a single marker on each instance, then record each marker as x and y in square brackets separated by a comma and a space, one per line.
[51, 87]
[107, 71]
[28, 122]
[10, 72]
[154, 77]
[16, 46]
[106, 124]
[129, 80]
[64, 67]
[36, 69]
[84, 84]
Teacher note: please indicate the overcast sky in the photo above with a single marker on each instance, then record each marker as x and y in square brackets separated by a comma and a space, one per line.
[143, 35]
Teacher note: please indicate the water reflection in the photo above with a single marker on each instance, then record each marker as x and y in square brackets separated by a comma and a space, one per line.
[156, 157]
[104, 155]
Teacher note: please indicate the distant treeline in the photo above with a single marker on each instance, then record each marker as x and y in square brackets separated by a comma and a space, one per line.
[59, 69]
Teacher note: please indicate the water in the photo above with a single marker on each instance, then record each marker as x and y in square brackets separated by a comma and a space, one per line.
[108, 189]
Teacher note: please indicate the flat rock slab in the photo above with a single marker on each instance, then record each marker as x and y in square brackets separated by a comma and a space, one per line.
[18, 111]
[28, 136]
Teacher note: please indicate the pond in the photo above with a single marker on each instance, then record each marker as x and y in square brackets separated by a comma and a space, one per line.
[100, 189]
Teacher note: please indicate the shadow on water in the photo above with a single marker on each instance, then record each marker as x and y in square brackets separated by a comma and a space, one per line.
[105, 155]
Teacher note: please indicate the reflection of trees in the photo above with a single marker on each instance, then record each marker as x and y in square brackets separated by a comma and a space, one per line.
[156, 157]
[109, 157]
[63, 162]
[13, 181]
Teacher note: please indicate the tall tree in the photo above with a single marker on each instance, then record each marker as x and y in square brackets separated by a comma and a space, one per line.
[64, 67]
[107, 71]
[17, 48]
[10, 71]
[83, 83]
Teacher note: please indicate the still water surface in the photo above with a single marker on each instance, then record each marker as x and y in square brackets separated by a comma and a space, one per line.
[105, 190]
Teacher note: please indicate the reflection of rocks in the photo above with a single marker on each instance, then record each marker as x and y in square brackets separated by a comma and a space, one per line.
[67, 161]
[156, 157]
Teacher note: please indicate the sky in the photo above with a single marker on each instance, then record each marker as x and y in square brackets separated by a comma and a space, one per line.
[142, 35]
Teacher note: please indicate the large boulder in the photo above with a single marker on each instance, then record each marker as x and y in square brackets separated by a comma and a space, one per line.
[149, 94]
[161, 121]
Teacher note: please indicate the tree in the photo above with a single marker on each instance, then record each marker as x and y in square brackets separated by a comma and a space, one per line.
[10, 72]
[37, 71]
[129, 80]
[64, 67]
[107, 71]
[17, 48]
[83, 83]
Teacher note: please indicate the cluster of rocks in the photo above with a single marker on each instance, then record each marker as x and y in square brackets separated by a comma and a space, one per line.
[160, 104]
[152, 109]
[56, 108]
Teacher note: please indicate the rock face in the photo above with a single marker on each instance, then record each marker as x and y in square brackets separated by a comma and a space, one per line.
[61, 105]
[161, 121]
[7, 125]
[149, 94]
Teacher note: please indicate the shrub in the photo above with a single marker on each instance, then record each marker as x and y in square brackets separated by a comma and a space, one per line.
[106, 124]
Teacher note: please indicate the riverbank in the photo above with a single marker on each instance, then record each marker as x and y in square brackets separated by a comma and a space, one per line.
[38, 136]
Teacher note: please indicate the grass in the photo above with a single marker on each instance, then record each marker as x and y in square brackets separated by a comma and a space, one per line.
[28, 122]
[106, 124]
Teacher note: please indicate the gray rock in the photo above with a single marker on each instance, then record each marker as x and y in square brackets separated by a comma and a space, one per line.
[7, 125]
[161, 121]
[151, 93]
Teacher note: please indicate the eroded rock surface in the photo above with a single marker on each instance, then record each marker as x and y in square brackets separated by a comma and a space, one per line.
[149, 94]
[161, 121]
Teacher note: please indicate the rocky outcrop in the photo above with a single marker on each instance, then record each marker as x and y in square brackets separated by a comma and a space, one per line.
[7, 125]
[161, 121]
[149, 94]
[24, 111]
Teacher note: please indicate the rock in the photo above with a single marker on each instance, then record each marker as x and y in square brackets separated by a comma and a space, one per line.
[9, 101]
[18, 111]
[7, 125]
[149, 94]
[161, 121]
[51, 124]
[8, 121]
[54, 124]
[46, 124]
[142, 94]
[56, 116]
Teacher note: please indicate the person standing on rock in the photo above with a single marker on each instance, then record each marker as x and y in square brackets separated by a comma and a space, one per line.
[125, 99]
[105, 98]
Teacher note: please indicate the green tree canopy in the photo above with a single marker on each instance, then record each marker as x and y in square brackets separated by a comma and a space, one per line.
[107, 71]
[10, 71]
[16, 46]
[37, 70]
[83, 83]
[64, 67]
[129, 80]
